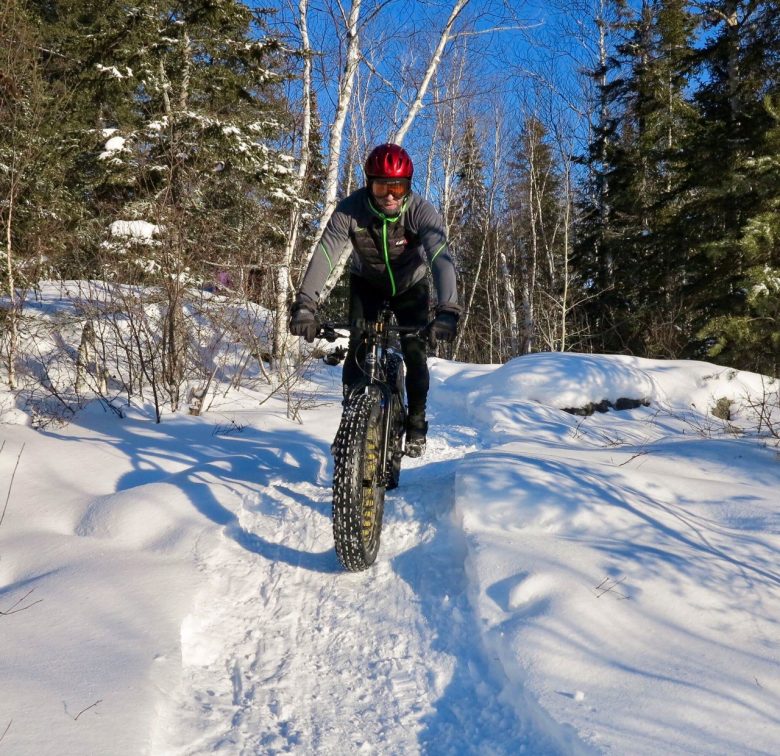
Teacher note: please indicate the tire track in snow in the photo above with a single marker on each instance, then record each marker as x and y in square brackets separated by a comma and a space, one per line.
[283, 652]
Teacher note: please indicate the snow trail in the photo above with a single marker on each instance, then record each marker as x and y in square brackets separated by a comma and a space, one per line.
[284, 652]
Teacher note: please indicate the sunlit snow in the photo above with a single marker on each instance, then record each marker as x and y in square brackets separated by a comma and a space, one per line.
[547, 582]
[136, 229]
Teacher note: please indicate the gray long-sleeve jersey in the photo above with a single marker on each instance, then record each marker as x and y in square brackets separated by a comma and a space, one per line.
[389, 251]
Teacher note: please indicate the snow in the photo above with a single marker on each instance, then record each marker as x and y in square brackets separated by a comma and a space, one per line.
[114, 72]
[113, 145]
[547, 583]
[134, 229]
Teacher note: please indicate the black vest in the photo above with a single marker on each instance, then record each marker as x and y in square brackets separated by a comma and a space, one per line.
[387, 254]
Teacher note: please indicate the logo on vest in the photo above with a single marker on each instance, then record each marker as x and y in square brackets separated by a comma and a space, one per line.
[400, 243]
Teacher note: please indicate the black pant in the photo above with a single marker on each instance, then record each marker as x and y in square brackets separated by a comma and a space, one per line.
[410, 308]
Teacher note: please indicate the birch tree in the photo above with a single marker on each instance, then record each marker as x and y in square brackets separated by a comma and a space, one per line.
[343, 101]
[345, 92]
[482, 213]
[433, 64]
[283, 282]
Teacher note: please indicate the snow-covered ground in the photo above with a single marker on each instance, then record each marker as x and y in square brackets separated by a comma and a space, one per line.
[547, 583]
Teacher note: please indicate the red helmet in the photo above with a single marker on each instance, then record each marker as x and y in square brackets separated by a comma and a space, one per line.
[389, 161]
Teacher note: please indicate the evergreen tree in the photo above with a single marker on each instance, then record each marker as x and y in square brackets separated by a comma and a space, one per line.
[637, 308]
[34, 206]
[535, 220]
[177, 110]
[739, 68]
[749, 336]
[469, 241]
[593, 252]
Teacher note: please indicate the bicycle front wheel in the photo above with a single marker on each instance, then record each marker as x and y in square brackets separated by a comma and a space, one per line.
[358, 482]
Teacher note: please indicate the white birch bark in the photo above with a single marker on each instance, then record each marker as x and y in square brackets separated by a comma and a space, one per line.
[283, 283]
[532, 257]
[488, 222]
[449, 130]
[433, 64]
[398, 137]
[346, 87]
[336, 136]
[511, 304]
[184, 95]
[509, 299]
[566, 251]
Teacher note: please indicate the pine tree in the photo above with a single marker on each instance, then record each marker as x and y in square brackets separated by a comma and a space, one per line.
[593, 252]
[175, 111]
[727, 159]
[750, 336]
[35, 207]
[469, 241]
[635, 311]
[175, 117]
[535, 220]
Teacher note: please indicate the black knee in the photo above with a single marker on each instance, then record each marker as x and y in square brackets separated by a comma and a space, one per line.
[417, 379]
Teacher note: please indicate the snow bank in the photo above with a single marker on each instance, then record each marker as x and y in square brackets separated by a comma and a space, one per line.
[624, 566]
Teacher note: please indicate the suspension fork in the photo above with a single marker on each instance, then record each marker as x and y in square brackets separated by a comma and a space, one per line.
[387, 430]
[377, 346]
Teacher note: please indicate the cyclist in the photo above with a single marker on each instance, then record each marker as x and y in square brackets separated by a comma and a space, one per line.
[391, 232]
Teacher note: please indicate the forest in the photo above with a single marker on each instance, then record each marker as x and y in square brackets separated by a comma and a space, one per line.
[608, 171]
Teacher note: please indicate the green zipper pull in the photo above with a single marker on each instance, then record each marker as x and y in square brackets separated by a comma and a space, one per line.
[387, 255]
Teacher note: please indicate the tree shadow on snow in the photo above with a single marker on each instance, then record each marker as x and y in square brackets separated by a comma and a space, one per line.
[260, 466]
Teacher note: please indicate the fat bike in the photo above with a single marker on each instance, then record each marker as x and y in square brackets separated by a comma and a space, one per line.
[369, 444]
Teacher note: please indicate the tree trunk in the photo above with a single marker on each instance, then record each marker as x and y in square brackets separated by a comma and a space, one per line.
[398, 138]
[346, 85]
[433, 64]
[603, 255]
[12, 316]
[511, 304]
[283, 284]
[566, 243]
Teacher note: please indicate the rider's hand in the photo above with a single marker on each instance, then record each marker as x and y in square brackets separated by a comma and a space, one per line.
[444, 326]
[303, 320]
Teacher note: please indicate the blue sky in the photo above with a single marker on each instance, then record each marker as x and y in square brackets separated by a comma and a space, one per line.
[527, 65]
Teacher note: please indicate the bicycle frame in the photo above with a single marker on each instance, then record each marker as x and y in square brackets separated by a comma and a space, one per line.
[367, 451]
[376, 335]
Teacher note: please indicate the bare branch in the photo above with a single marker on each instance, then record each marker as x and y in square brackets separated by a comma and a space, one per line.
[91, 706]
[10, 485]
[478, 32]
[445, 37]
[14, 610]
[389, 84]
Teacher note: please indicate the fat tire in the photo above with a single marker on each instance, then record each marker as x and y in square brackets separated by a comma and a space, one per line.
[358, 482]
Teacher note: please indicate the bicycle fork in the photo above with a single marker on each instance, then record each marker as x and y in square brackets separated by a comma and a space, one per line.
[389, 431]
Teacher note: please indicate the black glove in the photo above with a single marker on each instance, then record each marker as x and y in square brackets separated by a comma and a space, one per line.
[444, 326]
[303, 321]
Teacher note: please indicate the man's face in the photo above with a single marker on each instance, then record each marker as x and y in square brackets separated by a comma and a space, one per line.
[390, 193]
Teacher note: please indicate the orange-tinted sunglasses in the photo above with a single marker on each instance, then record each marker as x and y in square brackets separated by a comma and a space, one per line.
[398, 187]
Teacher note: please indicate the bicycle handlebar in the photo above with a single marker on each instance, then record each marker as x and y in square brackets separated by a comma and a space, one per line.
[328, 330]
